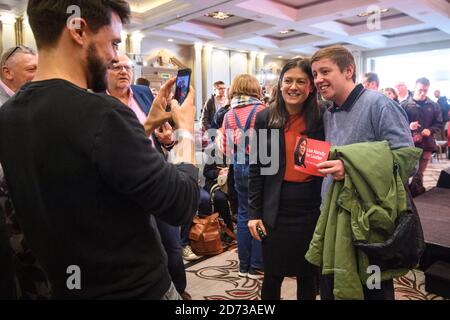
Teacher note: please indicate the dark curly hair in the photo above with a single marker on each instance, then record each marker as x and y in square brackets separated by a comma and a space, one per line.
[48, 18]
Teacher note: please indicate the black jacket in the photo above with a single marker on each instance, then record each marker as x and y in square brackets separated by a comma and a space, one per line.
[264, 190]
[429, 117]
[443, 104]
[209, 109]
[84, 179]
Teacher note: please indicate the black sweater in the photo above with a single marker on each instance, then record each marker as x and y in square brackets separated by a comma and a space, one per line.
[84, 180]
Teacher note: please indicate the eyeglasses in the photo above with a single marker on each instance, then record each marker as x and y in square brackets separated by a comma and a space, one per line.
[12, 53]
[116, 68]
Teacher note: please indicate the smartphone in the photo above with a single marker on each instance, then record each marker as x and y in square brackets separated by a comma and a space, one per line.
[261, 234]
[182, 85]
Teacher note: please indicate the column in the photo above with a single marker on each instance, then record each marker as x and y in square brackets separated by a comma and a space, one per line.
[360, 67]
[123, 45]
[260, 61]
[18, 29]
[207, 72]
[135, 50]
[197, 77]
[8, 31]
[251, 63]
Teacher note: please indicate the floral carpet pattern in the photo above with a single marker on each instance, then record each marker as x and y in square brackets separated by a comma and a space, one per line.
[217, 279]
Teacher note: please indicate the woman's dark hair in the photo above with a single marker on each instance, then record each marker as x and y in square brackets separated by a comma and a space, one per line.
[48, 18]
[297, 152]
[278, 115]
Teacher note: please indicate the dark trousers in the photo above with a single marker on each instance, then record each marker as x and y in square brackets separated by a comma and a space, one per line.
[385, 293]
[170, 237]
[271, 288]
[423, 163]
[204, 204]
[7, 285]
[221, 206]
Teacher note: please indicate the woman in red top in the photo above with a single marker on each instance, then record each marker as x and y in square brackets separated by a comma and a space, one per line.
[284, 206]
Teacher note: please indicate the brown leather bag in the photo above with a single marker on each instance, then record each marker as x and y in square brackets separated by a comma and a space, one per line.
[205, 235]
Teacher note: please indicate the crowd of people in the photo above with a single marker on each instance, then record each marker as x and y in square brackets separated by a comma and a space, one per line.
[99, 175]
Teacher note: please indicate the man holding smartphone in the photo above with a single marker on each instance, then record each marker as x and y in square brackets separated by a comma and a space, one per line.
[82, 173]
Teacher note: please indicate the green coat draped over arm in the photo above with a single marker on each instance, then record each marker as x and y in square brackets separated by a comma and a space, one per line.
[362, 207]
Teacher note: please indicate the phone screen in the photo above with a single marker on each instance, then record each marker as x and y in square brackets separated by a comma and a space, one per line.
[182, 85]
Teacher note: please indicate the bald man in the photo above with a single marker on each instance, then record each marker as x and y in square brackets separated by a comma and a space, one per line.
[402, 91]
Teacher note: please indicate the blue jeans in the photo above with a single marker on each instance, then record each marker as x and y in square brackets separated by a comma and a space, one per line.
[249, 249]
[170, 237]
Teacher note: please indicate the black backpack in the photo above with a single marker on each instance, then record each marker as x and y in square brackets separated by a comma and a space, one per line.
[406, 245]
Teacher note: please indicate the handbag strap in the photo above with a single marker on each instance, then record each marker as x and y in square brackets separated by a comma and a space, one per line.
[214, 188]
[222, 223]
[227, 231]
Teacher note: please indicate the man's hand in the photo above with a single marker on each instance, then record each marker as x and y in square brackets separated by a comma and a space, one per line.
[184, 115]
[252, 224]
[164, 134]
[333, 167]
[414, 125]
[426, 133]
[158, 114]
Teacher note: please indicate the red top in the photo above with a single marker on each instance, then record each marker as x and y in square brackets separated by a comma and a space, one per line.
[242, 114]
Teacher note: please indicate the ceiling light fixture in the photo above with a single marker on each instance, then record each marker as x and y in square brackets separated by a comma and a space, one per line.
[286, 31]
[365, 14]
[219, 15]
[170, 40]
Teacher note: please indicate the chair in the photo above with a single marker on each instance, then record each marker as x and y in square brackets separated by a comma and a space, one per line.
[441, 148]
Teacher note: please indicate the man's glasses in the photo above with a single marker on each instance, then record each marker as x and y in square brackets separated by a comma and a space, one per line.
[117, 68]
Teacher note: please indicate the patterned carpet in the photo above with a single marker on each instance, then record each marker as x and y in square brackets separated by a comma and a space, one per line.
[217, 278]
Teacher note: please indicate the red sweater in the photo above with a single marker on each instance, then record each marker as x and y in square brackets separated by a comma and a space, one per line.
[242, 114]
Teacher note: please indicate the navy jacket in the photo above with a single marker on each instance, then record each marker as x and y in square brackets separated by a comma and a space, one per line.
[143, 96]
